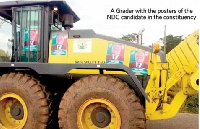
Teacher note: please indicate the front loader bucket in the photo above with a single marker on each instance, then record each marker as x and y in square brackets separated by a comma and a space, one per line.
[186, 56]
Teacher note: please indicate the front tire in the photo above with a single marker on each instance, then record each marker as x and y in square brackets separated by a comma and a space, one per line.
[23, 102]
[100, 101]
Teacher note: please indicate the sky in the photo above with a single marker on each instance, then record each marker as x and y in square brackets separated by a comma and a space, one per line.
[93, 15]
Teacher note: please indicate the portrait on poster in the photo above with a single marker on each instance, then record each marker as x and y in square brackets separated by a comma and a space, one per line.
[139, 62]
[32, 44]
[115, 53]
[59, 44]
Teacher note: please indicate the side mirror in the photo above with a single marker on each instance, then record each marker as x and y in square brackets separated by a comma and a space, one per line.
[67, 21]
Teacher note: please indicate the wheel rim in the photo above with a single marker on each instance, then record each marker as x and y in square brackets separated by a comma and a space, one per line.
[98, 114]
[13, 111]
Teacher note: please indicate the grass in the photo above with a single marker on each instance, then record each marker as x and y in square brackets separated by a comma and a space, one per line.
[191, 105]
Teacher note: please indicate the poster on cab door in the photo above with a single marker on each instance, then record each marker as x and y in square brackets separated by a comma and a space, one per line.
[32, 44]
[59, 44]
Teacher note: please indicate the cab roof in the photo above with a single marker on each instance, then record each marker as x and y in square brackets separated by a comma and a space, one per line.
[6, 7]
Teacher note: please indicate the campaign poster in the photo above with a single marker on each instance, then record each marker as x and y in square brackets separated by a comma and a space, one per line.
[82, 46]
[59, 44]
[32, 44]
[139, 62]
[115, 53]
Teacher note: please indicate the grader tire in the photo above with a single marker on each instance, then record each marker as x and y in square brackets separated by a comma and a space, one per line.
[100, 101]
[23, 102]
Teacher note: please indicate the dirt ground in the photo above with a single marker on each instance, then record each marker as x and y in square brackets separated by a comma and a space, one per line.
[180, 121]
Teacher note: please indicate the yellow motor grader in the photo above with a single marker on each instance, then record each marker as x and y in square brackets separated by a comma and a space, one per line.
[76, 79]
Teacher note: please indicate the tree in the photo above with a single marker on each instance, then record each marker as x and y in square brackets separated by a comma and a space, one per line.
[3, 56]
[171, 42]
[129, 37]
[2, 53]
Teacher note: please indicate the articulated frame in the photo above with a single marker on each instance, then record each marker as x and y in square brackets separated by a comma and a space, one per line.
[167, 88]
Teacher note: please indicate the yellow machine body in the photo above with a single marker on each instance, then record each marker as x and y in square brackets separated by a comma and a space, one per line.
[96, 53]
[170, 82]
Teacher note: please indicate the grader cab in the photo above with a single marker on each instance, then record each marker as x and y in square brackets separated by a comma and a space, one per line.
[77, 79]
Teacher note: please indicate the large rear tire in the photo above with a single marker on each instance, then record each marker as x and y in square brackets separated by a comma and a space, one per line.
[23, 102]
[100, 101]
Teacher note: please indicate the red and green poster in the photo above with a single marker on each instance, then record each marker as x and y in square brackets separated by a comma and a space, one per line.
[31, 45]
[139, 62]
[115, 53]
[59, 44]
